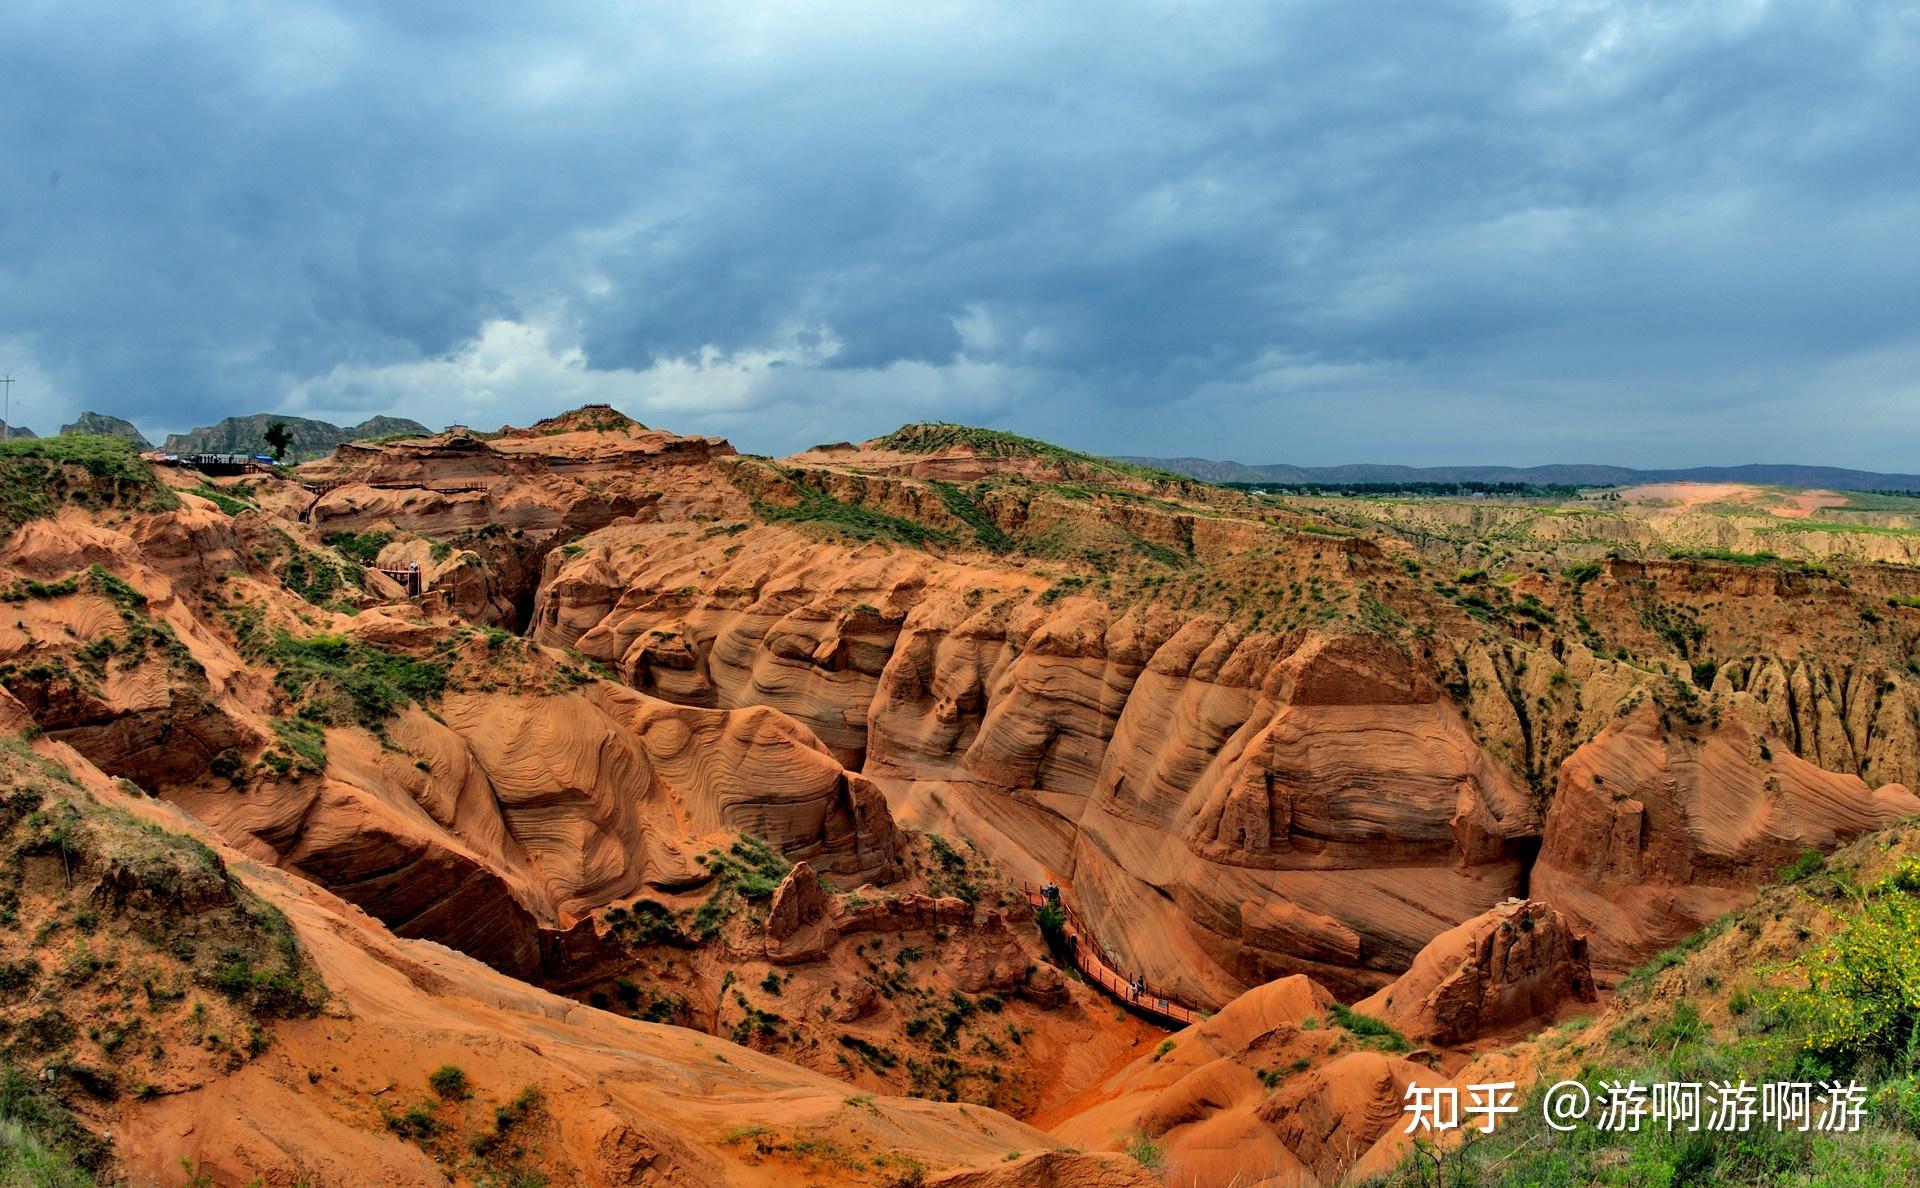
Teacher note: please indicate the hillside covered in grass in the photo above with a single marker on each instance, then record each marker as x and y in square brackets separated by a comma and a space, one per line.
[1816, 983]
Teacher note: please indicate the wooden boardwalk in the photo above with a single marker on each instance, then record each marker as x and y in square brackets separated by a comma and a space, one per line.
[412, 581]
[1097, 967]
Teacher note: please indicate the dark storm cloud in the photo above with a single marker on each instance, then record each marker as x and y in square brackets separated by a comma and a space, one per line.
[1314, 232]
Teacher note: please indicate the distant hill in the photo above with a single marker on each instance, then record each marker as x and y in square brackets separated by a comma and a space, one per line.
[17, 430]
[106, 426]
[1760, 473]
[308, 439]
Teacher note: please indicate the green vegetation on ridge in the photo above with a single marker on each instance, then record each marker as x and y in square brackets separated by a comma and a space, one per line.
[39, 476]
[1710, 1010]
[335, 679]
[851, 519]
[929, 437]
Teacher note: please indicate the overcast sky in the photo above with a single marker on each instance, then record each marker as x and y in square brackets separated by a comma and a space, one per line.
[1653, 234]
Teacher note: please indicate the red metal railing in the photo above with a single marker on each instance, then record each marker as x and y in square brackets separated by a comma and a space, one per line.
[1097, 967]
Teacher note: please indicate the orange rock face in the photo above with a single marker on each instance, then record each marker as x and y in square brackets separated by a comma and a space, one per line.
[1655, 832]
[1265, 1092]
[512, 817]
[601, 1100]
[1502, 971]
[1308, 779]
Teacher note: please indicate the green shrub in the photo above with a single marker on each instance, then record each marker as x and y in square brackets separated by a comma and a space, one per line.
[363, 547]
[749, 870]
[1862, 998]
[1144, 1150]
[860, 522]
[518, 1110]
[1809, 863]
[374, 682]
[1375, 1033]
[449, 1082]
[416, 1122]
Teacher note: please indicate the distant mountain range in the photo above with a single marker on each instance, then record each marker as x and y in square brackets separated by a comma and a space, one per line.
[1759, 473]
[307, 439]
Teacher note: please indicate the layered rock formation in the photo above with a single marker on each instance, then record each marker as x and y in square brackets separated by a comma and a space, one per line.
[495, 823]
[1262, 1093]
[1308, 778]
[551, 1088]
[1506, 969]
[1656, 831]
[503, 816]
[1252, 744]
[1274, 1090]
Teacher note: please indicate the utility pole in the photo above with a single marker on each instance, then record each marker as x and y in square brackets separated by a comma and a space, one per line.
[6, 419]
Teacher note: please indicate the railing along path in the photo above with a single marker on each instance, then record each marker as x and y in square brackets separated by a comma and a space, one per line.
[1097, 967]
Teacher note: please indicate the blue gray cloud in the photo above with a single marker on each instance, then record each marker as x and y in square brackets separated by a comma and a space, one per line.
[1313, 232]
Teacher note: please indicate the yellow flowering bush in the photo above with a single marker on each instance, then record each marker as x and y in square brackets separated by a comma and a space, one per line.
[1863, 987]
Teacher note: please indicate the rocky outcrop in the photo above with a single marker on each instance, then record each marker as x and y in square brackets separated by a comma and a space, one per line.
[1502, 970]
[1054, 1169]
[1856, 717]
[1265, 1091]
[506, 816]
[106, 426]
[486, 514]
[796, 920]
[1336, 813]
[1658, 828]
[1309, 777]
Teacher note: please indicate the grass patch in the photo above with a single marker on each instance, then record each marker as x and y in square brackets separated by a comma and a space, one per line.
[749, 871]
[363, 547]
[1809, 863]
[1762, 558]
[231, 505]
[42, 1144]
[39, 476]
[1642, 976]
[314, 576]
[965, 508]
[1374, 1033]
[334, 679]
[850, 519]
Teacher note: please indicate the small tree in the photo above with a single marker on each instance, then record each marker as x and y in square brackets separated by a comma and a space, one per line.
[278, 439]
